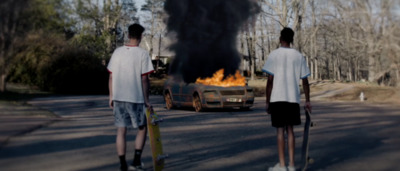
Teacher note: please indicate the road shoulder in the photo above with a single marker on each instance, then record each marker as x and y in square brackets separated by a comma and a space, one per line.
[19, 118]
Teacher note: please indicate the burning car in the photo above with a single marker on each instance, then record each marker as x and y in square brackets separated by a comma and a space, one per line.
[215, 92]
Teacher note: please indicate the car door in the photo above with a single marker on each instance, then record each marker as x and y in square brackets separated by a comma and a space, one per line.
[187, 94]
[176, 92]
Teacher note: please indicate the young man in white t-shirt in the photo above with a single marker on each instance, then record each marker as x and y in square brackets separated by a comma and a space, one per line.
[129, 84]
[285, 67]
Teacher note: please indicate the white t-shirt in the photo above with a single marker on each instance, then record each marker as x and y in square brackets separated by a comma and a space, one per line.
[287, 66]
[127, 65]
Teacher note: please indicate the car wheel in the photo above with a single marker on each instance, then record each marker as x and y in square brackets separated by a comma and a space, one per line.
[197, 104]
[168, 101]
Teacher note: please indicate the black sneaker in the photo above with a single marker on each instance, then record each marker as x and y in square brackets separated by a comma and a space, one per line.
[123, 168]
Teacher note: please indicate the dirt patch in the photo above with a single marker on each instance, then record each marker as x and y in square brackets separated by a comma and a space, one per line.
[341, 91]
[372, 93]
[317, 87]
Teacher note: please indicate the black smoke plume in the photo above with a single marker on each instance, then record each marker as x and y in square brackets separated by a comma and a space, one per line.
[206, 32]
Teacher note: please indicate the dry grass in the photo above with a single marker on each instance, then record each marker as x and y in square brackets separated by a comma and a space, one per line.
[372, 93]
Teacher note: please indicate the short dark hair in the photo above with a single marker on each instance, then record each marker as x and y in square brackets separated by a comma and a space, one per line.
[135, 31]
[287, 35]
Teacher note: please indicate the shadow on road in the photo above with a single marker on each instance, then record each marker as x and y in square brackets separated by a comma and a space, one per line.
[348, 136]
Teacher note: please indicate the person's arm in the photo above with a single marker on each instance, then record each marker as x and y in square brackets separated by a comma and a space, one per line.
[111, 104]
[269, 87]
[146, 90]
[306, 88]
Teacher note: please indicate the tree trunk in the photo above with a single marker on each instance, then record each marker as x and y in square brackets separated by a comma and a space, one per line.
[334, 70]
[298, 30]
[312, 68]
[398, 77]
[327, 61]
[284, 13]
[356, 70]
[152, 29]
[269, 43]
[262, 42]
[159, 45]
[106, 26]
[371, 68]
[159, 53]
[242, 52]
[3, 83]
[350, 73]
[249, 51]
[339, 70]
[254, 47]
[317, 76]
[151, 47]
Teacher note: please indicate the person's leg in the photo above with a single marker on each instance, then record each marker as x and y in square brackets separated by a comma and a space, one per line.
[141, 138]
[139, 144]
[120, 122]
[291, 144]
[121, 146]
[139, 119]
[281, 145]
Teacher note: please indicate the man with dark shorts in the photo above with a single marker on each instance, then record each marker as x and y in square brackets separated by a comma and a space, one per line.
[285, 67]
[129, 84]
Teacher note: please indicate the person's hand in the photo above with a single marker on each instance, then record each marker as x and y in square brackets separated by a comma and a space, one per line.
[111, 103]
[307, 106]
[267, 108]
[148, 106]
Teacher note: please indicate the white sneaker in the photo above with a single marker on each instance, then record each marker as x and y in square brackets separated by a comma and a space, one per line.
[291, 168]
[277, 167]
[136, 168]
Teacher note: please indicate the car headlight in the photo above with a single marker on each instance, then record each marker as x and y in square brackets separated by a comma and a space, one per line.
[210, 94]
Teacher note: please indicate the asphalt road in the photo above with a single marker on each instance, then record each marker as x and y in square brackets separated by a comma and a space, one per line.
[348, 136]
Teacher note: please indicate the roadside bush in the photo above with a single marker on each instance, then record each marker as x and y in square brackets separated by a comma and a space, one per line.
[49, 62]
[75, 71]
[32, 54]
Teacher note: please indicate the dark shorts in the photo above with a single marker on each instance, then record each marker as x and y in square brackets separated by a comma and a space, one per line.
[284, 114]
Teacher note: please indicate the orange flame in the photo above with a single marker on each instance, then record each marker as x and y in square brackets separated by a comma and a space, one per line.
[218, 79]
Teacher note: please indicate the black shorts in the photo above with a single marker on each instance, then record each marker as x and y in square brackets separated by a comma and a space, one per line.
[284, 114]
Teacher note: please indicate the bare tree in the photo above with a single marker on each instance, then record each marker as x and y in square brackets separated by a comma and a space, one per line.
[102, 18]
[311, 41]
[10, 11]
[128, 17]
[251, 42]
[286, 11]
[362, 27]
[155, 8]
[342, 39]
